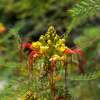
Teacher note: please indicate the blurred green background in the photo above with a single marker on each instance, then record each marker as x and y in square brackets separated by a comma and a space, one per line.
[25, 20]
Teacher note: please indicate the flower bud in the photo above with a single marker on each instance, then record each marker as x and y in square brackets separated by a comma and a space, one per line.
[51, 29]
[41, 39]
[49, 42]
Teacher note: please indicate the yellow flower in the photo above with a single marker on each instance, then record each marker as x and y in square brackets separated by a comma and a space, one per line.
[56, 57]
[44, 49]
[61, 41]
[61, 49]
[49, 42]
[36, 45]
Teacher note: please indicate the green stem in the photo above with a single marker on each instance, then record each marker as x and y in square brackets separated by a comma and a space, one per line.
[65, 89]
[66, 94]
[52, 84]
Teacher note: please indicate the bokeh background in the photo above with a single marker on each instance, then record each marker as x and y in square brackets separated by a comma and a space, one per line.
[25, 20]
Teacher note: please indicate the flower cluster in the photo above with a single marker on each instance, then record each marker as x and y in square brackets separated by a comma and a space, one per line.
[52, 49]
[50, 45]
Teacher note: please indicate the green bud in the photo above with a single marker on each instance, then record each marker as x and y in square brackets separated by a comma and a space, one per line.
[63, 40]
[41, 38]
[56, 38]
[51, 30]
[48, 37]
[49, 42]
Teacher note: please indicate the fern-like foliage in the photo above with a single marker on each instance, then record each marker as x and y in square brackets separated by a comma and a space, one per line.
[86, 77]
[82, 11]
[86, 8]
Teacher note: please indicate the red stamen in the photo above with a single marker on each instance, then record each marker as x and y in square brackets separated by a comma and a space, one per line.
[79, 52]
[32, 56]
[27, 45]
[69, 51]
[74, 51]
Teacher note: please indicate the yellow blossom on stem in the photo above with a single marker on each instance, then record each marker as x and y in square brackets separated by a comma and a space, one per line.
[52, 46]
[36, 45]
